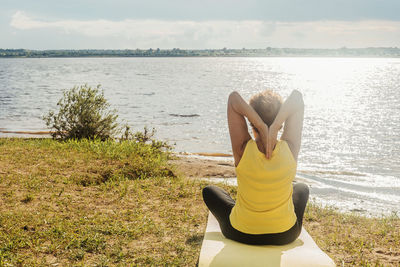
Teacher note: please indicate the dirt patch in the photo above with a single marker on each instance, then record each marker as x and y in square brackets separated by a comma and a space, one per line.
[198, 167]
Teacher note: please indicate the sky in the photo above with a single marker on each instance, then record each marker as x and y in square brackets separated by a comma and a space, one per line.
[201, 24]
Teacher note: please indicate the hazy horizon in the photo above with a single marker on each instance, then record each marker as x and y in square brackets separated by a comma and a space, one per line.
[217, 48]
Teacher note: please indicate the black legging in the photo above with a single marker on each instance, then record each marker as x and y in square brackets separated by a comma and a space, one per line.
[220, 204]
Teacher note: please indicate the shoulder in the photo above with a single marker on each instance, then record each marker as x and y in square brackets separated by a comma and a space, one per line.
[285, 147]
[247, 149]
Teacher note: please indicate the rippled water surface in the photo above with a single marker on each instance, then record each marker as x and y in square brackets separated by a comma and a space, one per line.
[351, 141]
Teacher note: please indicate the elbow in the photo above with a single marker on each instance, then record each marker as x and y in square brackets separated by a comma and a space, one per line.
[233, 97]
[298, 96]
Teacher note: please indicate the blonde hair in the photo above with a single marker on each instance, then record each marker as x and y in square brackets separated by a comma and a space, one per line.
[267, 104]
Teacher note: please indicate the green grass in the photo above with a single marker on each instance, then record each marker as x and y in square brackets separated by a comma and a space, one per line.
[89, 203]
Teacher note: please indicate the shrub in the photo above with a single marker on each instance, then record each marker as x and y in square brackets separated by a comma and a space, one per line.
[145, 137]
[83, 113]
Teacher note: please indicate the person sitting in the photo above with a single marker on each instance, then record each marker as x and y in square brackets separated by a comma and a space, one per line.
[269, 208]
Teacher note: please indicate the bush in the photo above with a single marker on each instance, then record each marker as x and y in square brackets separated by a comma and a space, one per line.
[83, 113]
[145, 137]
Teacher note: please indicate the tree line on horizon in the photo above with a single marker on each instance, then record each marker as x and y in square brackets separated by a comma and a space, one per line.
[224, 52]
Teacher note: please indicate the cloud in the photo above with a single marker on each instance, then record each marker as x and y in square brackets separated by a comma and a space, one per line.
[145, 33]
[272, 10]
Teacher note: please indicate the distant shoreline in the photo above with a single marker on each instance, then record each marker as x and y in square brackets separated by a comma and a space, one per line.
[374, 52]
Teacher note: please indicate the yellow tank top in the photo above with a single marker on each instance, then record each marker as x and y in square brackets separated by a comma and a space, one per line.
[264, 196]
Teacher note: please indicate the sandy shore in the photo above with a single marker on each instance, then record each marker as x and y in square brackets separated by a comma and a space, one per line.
[197, 166]
[24, 134]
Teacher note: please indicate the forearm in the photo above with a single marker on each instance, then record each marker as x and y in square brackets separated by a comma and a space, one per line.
[238, 105]
[293, 104]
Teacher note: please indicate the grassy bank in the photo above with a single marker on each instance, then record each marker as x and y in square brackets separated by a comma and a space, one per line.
[352, 240]
[105, 204]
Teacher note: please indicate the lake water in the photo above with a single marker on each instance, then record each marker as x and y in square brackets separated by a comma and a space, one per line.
[350, 153]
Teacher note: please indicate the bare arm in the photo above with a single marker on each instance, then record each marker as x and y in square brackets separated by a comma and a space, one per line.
[238, 109]
[291, 114]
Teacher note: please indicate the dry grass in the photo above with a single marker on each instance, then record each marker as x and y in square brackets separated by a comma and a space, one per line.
[96, 204]
[48, 216]
[353, 240]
